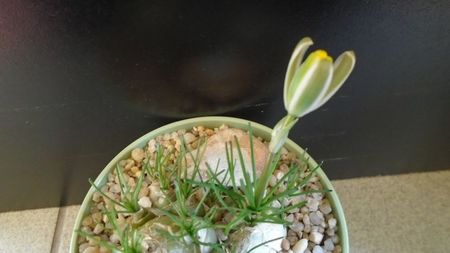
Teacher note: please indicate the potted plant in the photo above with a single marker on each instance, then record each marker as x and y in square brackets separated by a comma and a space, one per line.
[220, 184]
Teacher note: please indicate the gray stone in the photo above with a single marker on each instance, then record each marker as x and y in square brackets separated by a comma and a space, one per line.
[328, 244]
[315, 218]
[317, 249]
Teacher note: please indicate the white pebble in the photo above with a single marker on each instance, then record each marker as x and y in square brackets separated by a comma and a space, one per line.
[145, 202]
[138, 154]
[332, 223]
[285, 245]
[151, 146]
[317, 249]
[315, 237]
[300, 246]
[328, 245]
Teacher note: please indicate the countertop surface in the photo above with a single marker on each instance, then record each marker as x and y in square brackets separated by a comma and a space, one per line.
[399, 214]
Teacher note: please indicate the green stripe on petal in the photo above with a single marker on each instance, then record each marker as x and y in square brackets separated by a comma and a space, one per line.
[343, 66]
[294, 63]
[309, 84]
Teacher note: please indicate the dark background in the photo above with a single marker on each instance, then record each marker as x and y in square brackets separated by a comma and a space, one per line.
[80, 80]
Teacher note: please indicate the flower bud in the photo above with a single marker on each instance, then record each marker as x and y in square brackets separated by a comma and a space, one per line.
[309, 84]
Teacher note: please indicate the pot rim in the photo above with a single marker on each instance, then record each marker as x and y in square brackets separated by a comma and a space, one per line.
[214, 121]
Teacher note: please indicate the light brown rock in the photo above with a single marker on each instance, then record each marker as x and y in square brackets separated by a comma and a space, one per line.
[214, 154]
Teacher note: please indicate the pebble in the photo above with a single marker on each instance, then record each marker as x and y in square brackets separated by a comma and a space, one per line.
[332, 223]
[313, 204]
[315, 237]
[330, 232]
[298, 216]
[138, 154]
[307, 228]
[325, 207]
[189, 138]
[335, 239]
[97, 217]
[300, 246]
[289, 218]
[297, 227]
[151, 146]
[115, 188]
[286, 202]
[328, 244]
[128, 164]
[98, 228]
[83, 246]
[114, 238]
[317, 249]
[316, 218]
[279, 174]
[297, 199]
[337, 249]
[272, 181]
[221, 235]
[96, 197]
[105, 250]
[134, 170]
[87, 221]
[145, 202]
[91, 250]
[293, 239]
[285, 245]
[306, 219]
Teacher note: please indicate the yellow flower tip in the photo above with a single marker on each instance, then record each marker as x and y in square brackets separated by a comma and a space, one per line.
[323, 55]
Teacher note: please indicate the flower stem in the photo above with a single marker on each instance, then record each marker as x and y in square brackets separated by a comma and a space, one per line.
[279, 137]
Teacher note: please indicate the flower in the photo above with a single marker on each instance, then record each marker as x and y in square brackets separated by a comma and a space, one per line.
[310, 84]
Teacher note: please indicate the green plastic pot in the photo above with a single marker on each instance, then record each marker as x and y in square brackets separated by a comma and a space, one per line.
[259, 130]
